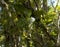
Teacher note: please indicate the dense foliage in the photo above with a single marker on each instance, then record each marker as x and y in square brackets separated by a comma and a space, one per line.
[28, 23]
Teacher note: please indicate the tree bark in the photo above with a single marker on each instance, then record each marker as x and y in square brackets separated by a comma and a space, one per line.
[58, 39]
[45, 5]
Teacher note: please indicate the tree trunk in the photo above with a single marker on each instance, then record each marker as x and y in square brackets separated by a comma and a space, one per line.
[45, 5]
[58, 39]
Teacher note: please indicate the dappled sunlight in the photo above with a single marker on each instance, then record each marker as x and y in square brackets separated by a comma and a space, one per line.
[30, 23]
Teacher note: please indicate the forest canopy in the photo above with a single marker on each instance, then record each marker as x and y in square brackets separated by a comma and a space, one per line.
[30, 23]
